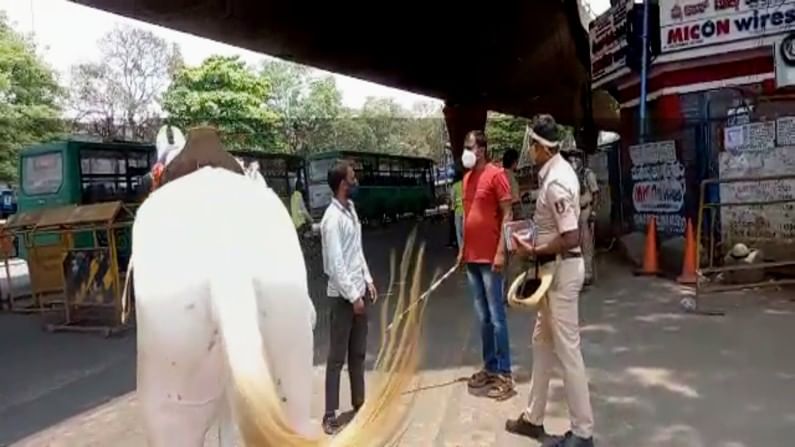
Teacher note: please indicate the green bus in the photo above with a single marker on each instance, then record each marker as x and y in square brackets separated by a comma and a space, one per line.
[280, 171]
[77, 172]
[389, 185]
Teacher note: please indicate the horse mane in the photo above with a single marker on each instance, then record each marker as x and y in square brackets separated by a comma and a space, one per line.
[203, 148]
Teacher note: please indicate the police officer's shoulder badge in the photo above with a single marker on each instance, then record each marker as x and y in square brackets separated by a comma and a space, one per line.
[560, 206]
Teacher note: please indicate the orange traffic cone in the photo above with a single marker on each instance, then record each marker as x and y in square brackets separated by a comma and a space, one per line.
[650, 264]
[688, 275]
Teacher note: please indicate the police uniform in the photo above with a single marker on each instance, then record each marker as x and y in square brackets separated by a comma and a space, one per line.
[556, 336]
[588, 187]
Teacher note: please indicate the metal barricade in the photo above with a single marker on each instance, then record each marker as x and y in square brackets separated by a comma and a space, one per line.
[74, 261]
[713, 208]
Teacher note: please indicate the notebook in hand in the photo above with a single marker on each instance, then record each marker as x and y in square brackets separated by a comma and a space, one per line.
[523, 229]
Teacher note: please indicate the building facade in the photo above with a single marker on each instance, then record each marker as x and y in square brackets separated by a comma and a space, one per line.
[720, 98]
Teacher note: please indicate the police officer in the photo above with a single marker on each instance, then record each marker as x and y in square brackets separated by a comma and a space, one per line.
[556, 337]
[589, 198]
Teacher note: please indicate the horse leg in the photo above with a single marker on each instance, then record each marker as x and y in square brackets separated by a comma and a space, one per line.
[227, 431]
[181, 368]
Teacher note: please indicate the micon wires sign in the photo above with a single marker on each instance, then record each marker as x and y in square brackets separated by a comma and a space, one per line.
[697, 23]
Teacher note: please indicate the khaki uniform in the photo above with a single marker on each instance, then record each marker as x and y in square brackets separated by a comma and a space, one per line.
[588, 189]
[556, 337]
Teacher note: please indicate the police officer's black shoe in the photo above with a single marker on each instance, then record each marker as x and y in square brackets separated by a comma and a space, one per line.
[569, 440]
[523, 427]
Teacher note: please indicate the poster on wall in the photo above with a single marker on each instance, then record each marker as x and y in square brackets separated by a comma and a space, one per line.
[751, 137]
[785, 131]
[687, 24]
[769, 227]
[658, 186]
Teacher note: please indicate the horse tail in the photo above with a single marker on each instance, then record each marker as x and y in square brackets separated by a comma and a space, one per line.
[257, 407]
[259, 414]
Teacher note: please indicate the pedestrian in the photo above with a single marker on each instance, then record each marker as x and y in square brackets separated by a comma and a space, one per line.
[302, 219]
[487, 207]
[510, 159]
[556, 337]
[589, 200]
[350, 292]
[457, 203]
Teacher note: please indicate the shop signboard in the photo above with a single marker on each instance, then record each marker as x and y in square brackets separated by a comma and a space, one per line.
[688, 24]
[607, 35]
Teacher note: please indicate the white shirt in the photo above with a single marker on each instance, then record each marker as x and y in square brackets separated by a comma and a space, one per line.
[558, 204]
[343, 258]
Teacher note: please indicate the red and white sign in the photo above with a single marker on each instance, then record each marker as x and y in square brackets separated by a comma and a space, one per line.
[697, 23]
[607, 35]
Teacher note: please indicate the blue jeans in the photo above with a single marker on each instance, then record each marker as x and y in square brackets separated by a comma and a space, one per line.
[487, 291]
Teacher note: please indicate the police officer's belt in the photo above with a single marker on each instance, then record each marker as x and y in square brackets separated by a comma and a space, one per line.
[543, 259]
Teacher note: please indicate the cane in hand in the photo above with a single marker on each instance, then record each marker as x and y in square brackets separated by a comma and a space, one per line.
[423, 297]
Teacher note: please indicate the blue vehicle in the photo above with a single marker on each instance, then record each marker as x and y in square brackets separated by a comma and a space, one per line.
[8, 202]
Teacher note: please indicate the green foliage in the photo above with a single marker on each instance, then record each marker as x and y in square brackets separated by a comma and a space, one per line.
[504, 132]
[223, 92]
[29, 95]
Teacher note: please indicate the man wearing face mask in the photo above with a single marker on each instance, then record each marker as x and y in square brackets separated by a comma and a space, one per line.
[487, 206]
[556, 337]
[350, 290]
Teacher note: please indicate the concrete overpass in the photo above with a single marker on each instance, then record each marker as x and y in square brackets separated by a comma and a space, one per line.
[519, 57]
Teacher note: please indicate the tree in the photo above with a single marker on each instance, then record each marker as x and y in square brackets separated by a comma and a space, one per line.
[29, 95]
[309, 106]
[120, 94]
[223, 92]
[387, 120]
[426, 132]
[504, 132]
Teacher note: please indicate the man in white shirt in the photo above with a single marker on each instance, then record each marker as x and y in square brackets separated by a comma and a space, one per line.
[350, 290]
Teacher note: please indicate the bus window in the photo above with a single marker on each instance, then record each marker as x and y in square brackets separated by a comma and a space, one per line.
[318, 170]
[108, 175]
[42, 174]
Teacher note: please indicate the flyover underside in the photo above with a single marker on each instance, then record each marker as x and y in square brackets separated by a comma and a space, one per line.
[519, 57]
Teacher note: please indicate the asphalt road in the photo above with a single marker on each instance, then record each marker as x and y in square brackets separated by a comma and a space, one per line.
[659, 378]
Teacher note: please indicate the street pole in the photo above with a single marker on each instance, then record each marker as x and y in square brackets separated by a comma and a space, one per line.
[644, 71]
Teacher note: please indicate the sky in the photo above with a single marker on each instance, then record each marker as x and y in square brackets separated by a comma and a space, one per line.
[67, 33]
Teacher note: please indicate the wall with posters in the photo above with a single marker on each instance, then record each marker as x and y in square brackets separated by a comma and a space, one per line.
[687, 24]
[752, 150]
[658, 186]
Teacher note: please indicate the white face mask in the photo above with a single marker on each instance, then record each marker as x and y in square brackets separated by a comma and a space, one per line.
[468, 159]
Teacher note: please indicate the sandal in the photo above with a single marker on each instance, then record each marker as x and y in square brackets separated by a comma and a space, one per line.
[502, 388]
[481, 379]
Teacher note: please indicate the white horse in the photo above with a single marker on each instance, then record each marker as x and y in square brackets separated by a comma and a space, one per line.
[225, 321]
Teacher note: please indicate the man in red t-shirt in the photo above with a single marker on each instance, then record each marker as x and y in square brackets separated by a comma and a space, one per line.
[487, 205]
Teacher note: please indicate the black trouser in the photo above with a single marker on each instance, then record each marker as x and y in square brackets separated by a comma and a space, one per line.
[348, 336]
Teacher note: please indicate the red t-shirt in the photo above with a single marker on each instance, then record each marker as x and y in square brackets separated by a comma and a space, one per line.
[483, 191]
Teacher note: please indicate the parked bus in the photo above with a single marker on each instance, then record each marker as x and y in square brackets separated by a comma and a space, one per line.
[279, 170]
[81, 173]
[389, 185]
